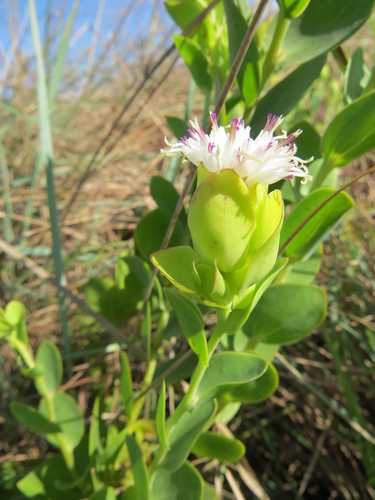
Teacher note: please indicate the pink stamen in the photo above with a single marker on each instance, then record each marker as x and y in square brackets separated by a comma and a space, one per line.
[233, 128]
[213, 120]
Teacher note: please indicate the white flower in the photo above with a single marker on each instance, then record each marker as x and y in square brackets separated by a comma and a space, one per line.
[265, 159]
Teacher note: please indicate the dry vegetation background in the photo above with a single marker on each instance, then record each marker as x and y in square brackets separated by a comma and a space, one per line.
[314, 437]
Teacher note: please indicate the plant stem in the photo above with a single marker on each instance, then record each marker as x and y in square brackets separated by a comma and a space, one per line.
[273, 52]
[190, 397]
[324, 171]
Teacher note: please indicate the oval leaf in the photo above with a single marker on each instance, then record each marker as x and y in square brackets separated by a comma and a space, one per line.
[177, 264]
[286, 94]
[351, 133]
[185, 482]
[238, 19]
[195, 60]
[324, 25]
[48, 357]
[286, 314]
[313, 231]
[68, 416]
[294, 8]
[228, 369]
[257, 390]
[219, 447]
[32, 419]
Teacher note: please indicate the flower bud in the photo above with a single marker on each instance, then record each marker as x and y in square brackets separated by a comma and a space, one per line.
[221, 220]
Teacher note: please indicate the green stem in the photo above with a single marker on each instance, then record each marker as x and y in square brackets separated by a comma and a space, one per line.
[137, 408]
[190, 397]
[273, 52]
[325, 169]
[151, 366]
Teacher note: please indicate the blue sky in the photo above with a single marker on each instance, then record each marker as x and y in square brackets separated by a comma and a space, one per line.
[106, 13]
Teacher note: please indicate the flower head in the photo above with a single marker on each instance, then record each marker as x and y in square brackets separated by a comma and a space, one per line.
[266, 159]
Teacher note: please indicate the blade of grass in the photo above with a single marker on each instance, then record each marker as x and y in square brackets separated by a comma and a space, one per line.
[53, 90]
[61, 55]
[46, 159]
[175, 161]
[8, 226]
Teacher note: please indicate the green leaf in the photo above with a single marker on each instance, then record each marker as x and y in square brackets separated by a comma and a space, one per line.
[284, 96]
[179, 127]
[32, 419]
[126, 384]
[209, 492]
[356, 76]
[308, 143]
[183, 12]
[195, 60]
[229, 369]
[133, 274]
[160, 418]
[184, 434]
[324, 25]
[106, 298]
[107, 493]
[97, 430]
[115, 443]
[216, 446]
[42, 482]
[351, 133]
[164, 193]
[314, 231]
[181, 484]
[183, 369]
[286, 314]
[69, 418]
[267, 351]
[95, 289]
[191, 322]
[151, 230]
[248, 300]
[177, 264]
[49, 358]
[238, 19]
[15, 315]
[293, 8]
[138, 467]
[303, 272]
[257, 390]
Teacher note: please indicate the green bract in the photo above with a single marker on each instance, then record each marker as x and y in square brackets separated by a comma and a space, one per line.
[235, 230]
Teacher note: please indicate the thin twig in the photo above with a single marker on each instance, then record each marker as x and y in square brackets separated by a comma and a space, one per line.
[323, 204]
[238, 60]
